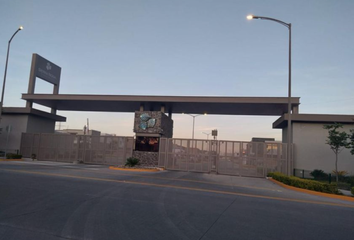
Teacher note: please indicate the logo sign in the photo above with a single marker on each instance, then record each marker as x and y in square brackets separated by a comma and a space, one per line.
[146, 121]
[47, 70]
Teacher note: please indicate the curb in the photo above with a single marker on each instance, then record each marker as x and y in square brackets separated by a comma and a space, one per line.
[135, 170]
[346, 198]
[10, 160]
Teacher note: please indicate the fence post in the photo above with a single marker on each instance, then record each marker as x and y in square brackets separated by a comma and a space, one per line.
[38, 156]
[294, 172]
[330, 178]
[303, 173]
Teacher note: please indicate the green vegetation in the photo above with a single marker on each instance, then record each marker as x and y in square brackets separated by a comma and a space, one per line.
[304, 183]
[319, 174]
[345, 182]
[337, 140]
[352, 191]
[13, 156]
[351, 141]
[131, 162]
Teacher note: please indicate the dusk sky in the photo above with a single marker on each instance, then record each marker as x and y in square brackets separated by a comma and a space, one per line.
[184, 48]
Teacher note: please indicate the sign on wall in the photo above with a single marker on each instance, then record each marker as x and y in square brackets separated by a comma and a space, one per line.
[47, 70]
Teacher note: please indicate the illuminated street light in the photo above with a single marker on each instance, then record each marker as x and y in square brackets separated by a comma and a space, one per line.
[289, 131]
[7, 59]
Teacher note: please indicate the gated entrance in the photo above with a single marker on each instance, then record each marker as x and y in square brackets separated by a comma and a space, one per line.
[108, 150]
[253, 159]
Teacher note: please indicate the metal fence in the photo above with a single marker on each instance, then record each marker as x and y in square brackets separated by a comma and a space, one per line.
[110, 150]
[302, 173]
[254, 159]
[185, 154]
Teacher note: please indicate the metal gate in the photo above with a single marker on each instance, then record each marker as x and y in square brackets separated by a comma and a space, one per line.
[110, 150]
[253, 159]
[186, 154]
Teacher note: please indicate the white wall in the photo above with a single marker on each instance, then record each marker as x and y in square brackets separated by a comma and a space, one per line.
[18, 126]
[22, 123]
[312, 152]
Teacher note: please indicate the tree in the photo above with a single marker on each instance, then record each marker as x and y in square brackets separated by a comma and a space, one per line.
[337, 140]
[351, 141]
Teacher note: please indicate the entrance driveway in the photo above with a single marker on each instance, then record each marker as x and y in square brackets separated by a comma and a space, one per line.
[47, 200]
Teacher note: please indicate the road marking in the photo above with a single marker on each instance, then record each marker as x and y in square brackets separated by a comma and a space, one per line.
[60, 164]
[191, 180]
[184, 188]
[170, 179]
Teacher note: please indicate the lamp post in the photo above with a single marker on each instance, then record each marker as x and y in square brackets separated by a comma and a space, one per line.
[289, 132]
[194, 116]
[207, 135]
[7, 59]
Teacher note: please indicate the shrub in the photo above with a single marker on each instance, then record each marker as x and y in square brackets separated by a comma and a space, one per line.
[319, 174]
[13, 156]
[351, 181]
[352, 191]
[341, 174]
[131, 162]
[304, 183]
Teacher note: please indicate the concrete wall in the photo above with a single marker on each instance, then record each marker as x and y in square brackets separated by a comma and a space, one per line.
[18, 126]
[312, 152]
[21, 123]
[40, 125]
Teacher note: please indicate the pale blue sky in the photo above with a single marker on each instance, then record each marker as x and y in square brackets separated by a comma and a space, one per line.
[184, 47]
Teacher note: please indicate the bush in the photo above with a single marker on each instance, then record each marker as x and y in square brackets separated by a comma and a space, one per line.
[341, 175]
[304, 183]
[13, 156]
[350, 180]
[319, 174]
[352, 191]
[131, 162]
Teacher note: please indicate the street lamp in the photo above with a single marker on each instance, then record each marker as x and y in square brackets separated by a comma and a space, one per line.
[207, 135]
[7, 59]
[289, 132]
[194, 116]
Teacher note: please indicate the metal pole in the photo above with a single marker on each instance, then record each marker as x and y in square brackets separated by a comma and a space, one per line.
[207, 135]
[289, 131]
[289, 107]
[7, 60]
[193, 127]
[194, 116]
[3, 84]
[7, 139]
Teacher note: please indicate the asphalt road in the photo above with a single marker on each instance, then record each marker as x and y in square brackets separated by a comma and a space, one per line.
[52, 201]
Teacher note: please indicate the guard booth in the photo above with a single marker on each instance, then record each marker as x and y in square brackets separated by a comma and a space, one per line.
[150, 127]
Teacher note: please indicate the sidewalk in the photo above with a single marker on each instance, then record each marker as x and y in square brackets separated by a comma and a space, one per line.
[345, 192]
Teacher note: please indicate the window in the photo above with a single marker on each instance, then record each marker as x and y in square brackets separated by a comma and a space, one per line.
[147, 144]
